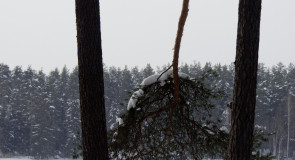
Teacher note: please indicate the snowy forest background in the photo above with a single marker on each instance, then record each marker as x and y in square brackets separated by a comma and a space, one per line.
[39, 113]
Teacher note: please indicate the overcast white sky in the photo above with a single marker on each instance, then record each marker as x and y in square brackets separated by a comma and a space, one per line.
[42, 33]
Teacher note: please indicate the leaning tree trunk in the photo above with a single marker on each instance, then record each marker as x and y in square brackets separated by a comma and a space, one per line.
[91, 85]
[244, 99]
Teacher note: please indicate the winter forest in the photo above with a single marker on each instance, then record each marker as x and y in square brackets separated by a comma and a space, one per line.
[232, 109]
[40, 115]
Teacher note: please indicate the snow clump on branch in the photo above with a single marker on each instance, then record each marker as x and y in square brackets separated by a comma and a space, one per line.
[119, 120]
[151, 80]
[133, 99]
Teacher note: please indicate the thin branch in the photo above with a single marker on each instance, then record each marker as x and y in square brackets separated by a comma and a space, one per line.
[164, 72]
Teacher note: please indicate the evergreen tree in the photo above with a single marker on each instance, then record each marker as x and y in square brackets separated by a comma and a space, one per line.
[18, 121]
[156, 129]
[5, 106]
[147, 71]
[291, 88]
[263, 101]
[42, 143]
[29, 90]
[63, 94]
[207, 67]
[126, 85]
[57, 95]
[137, 76]
[224, 82]
[185, 69]
[195, 70]
[73, 119]
[113, 97]
[31, 103]
[290, 79]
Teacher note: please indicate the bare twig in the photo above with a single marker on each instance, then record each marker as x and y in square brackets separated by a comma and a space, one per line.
[164, 72]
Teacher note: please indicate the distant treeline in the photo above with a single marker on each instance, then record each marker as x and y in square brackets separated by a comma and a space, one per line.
[40, 117]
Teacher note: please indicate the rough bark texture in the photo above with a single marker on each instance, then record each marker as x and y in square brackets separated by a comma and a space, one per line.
[181, 23]
[91, 85]
[243, 111]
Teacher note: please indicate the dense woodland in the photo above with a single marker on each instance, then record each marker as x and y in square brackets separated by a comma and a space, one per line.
[39, 113]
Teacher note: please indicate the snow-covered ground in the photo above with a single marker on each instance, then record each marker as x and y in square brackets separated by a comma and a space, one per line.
[18, 158]
[27, 158]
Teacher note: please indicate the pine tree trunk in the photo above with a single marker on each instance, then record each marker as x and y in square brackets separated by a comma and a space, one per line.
[274, 152]
[280, 148]
[181, 23]
[288, 123]
[244, 99]
[91, 85]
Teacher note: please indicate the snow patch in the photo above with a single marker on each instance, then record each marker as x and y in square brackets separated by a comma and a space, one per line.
[260, 127]
[166, 75]
[162, 77]
[223, 128]
[183, 75]
[133, 99]
[114, 135]
[119, 120]
[151, 80]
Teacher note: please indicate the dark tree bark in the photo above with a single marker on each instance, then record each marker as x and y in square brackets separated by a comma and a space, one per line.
[244, 99]
[91, 85]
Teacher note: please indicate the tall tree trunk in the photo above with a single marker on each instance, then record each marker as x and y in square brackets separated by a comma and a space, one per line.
[280, 148]
[288, 123]
[91, 85]
[244, 99]
[181, 23]
[274, 152]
